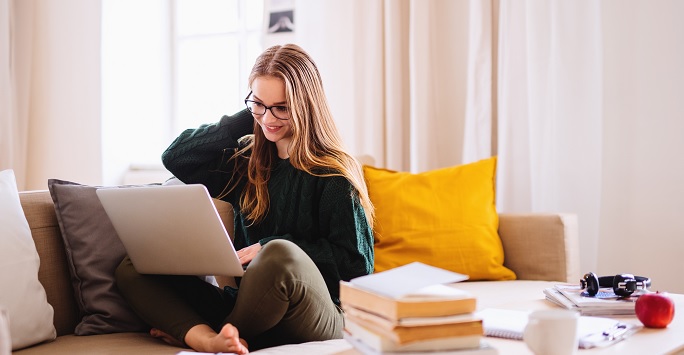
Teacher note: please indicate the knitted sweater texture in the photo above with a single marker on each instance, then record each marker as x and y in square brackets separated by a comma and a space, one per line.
[322, 215]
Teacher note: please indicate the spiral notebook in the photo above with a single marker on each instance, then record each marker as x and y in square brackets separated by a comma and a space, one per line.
[593, 331]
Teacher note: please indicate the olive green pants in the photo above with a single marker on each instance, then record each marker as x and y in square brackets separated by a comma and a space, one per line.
[282, 299]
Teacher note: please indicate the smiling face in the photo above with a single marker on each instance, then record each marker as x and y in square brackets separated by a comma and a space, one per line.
[270, 91]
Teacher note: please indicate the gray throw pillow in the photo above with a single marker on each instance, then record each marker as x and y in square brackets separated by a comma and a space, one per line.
[93, 253]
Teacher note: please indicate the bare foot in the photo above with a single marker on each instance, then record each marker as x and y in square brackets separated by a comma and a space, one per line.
[165, 337]
[227, 340]
[202, 338]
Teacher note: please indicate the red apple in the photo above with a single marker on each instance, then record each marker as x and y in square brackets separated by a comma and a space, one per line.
[655, 310]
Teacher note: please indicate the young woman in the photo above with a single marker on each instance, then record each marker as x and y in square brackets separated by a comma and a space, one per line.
[303, 219]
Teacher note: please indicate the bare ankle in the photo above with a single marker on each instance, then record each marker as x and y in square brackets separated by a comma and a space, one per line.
[157, 333]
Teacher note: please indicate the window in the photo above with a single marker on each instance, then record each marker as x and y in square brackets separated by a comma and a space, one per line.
[215, 45]
[168, 65]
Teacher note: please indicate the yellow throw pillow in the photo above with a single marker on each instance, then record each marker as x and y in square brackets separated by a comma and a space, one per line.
[445, 218]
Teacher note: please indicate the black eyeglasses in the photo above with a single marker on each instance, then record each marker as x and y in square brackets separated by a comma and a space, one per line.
[259, 109]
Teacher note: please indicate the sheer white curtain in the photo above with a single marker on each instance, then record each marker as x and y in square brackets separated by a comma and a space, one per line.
[481, 109]
[399, 76]
[50, 82]
[15, 69]
[641, 211]
[550, 112]
[420, 85]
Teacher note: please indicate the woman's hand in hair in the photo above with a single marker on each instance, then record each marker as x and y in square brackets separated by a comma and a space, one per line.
[247, 254]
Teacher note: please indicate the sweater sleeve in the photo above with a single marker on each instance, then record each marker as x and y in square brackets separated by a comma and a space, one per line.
[200, 155]
[343, 222]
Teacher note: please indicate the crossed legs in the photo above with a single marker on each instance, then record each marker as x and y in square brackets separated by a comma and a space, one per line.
[282, 299]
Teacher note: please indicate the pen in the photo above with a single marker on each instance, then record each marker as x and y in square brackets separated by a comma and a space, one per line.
[612, 335]
[617, 331]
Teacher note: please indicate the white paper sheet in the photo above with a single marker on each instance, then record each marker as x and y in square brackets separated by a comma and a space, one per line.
[406, 279]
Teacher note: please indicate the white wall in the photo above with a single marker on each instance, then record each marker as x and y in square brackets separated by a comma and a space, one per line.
[642, 214]
[64, 132]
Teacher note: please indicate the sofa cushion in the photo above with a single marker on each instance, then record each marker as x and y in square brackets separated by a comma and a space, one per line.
[93, 252]
[22, 296]
[119, 343]
[446, 218]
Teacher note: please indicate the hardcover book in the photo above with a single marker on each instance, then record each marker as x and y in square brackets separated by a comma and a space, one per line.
[431, 301]
[390, 324]
[382, 343]
[482, 348]
[407, 334]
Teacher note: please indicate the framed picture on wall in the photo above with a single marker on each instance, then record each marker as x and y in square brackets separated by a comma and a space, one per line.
[281, 21]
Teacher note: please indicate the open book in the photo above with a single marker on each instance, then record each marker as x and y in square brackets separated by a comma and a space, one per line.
[592, 331]
[406, 279]
[413, 290]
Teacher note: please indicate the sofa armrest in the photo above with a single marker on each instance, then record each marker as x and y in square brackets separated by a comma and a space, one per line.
[541, 246]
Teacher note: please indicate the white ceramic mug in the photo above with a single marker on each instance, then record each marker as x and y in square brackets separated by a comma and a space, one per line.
[5, 339]
[552, 332]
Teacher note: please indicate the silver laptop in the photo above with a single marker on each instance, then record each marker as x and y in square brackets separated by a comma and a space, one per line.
[172, 230]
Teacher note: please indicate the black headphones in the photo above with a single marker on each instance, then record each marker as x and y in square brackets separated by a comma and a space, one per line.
[623, 284]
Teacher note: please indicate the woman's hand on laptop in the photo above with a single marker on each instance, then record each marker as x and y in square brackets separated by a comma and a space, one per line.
[247, 254]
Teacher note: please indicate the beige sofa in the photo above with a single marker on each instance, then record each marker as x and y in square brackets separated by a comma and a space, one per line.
[539, 248]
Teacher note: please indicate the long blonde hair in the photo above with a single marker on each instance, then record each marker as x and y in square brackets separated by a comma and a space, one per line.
[316, 146]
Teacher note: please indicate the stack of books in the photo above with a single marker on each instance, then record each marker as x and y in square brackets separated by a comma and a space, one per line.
[605, 303]
[433, 319]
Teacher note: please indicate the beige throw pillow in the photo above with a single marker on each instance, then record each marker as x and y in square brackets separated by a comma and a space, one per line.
[23, 296]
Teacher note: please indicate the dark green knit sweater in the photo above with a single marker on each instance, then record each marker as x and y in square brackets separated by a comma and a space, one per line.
[322, 215]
